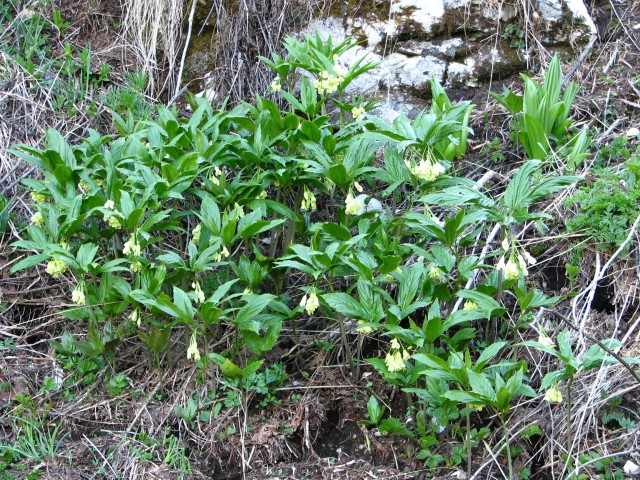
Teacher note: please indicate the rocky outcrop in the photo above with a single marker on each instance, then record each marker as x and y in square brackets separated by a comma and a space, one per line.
[462, 43]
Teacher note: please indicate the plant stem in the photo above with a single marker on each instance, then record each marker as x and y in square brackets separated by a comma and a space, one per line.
[468, 441]
[569, 425]
[507, 444]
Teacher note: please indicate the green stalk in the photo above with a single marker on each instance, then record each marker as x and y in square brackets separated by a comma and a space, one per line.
[468, 441]
[507, 444]
[569, 425]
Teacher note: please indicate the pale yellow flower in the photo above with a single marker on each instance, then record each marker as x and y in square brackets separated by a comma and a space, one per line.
[109, 205]
[394, 361]
[527, 256]
[353, 207]
[134, 316]
[39, 197]
[198, 291]
[56, 267]
[310, 303]
[136, 266]
[358, 113]
[192, 351]
[239, 209]
[358, 187]
[131, 246]
[436, 273]
[195, 233]
[327, 83]
[217, 175]
[426, 169]
[37, 219]
[225, 252]
[366, 330]
[276, 86]
[510, 269]
[553, 395]
[505, 244]
[263, 195]
[77, 296]
[469, 305]
[308, 201]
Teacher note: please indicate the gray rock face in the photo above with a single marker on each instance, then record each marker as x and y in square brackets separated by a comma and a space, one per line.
[462, 43]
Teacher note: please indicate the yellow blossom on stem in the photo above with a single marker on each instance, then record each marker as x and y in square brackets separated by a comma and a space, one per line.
[310, 303]
[358, 113]
[136, 266]
[364, 329]
[39, 197]
[77, 296]
[394, 361]
[56, 267]
[308, 201]
[134, 316]
[192, 351]
[198, 291]
[276, 85]
[553, 395]
[426, 169]
[195, 233]
[436, 273]
[469, 305]
[353, 207]
[37, 219]
[131, 246]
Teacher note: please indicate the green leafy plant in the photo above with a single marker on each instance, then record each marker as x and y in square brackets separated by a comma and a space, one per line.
[542, 116]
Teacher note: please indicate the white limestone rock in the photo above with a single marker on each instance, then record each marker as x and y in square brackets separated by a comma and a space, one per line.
[411, 72]
[570, 14]
[426, 14]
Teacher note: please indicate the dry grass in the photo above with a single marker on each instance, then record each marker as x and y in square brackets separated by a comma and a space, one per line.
[153, 27]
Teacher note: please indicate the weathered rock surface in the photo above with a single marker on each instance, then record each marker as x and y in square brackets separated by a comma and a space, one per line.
[462, 43]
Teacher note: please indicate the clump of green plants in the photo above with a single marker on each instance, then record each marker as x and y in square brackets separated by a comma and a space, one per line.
[129, 97]
[237, 222]
[606, 207]
[542, 117]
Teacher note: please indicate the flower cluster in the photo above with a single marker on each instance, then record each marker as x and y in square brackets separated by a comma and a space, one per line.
[56, 267]
[354, 207]
[396, 357]
[195, 233]
[358, 113]
[135, 317]
[469, 305]
[217, 175]
[113, 221]
[198, 291]
[223, 253]
[308, 201]
[132, 247]
[512, 268]
[193, 351]
[37, 219]
[553, 395]
[136, 266]
[276, 85]
[77, 295]
[426, 169]
[327, 83]
[39, 197]
[310, 303]
[364, 329]
[436, 273]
